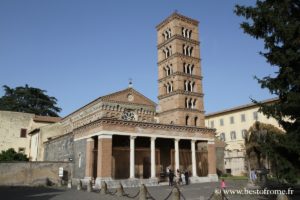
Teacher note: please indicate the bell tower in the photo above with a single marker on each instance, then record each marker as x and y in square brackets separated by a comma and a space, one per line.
[179, 72]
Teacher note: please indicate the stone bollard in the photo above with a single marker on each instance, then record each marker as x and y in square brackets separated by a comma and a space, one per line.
[79, 185]
[143, 192]
[70, 183]
[282, 197]
[120, 190]
[217, 196]
[175, 193]
[89, 186]
[103, 188]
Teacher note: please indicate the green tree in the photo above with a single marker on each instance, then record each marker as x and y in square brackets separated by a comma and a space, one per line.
[30, 100]
[266, 141]
[277, 23]
[12, 155]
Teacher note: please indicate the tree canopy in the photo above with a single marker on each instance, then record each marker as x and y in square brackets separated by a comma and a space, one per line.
[12, 155]
[30, 100]
[277, 23]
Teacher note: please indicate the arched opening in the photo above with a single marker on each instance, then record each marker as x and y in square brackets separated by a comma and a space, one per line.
[195, 121]
[187, 120]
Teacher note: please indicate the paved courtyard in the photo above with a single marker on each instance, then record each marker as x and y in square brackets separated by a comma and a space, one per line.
[191, 192]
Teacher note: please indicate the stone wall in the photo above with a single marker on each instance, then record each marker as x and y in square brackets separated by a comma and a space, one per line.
[33, 173]
[79, 158]
[60, 149]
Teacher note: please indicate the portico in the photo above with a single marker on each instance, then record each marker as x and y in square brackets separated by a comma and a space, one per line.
[146, 151]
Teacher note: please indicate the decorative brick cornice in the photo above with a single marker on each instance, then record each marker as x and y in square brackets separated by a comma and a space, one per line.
[179, 37]
[144, 125]
[178, 55]
[180, 109]
[180, 74]
[128, 103]
[176, 15]
[180, 92]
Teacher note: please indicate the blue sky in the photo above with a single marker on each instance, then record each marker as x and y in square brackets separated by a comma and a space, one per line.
[79, 50]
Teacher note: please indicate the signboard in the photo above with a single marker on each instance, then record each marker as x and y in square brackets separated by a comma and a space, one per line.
[61, 172]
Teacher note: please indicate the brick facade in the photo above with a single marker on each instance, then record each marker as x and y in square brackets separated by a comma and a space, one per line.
[179, 105]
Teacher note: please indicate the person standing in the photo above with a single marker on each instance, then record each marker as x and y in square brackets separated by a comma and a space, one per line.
[178, 177]
[223, 185]
[186, 176]
[253, 176]
[171, 177]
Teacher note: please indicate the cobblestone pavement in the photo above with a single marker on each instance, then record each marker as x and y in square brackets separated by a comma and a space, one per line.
[201, 191]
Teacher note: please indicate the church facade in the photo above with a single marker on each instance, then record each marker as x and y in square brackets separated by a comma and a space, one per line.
[126, 136]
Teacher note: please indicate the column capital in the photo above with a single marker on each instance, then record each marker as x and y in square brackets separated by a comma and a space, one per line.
[193, 140]
[153, 138]
[176, 139]
[132, 137]
[210, 142]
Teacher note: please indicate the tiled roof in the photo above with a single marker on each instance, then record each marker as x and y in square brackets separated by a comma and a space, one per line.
[250, 105]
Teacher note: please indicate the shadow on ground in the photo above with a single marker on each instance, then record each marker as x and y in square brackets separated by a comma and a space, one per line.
[29, 193]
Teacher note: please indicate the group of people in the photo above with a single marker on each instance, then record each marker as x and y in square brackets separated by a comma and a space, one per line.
[181, 177]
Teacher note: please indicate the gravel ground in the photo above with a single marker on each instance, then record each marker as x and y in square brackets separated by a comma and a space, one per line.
[201, 191]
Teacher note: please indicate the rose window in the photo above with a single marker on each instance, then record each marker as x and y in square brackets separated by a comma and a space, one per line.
[128, 115]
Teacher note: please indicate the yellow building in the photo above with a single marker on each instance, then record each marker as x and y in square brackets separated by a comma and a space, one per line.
[230, 125]
[14, 129]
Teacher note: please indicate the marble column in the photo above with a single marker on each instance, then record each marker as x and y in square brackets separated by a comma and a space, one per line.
[132, 158]
[153, 165]
[176, 145]
[193, 149]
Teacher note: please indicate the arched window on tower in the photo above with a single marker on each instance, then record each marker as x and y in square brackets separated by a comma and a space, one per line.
[190, 103]
[167, 34]
[167, 51]
[187, 50]
[183, 31]
[190, 34]
[169, 70]
[189, 86]
[194, 103]
[186, 32]
[191, 69]
[190, 50]
[167, 87]
[195, 121]
[192, 86]
[187, 120]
